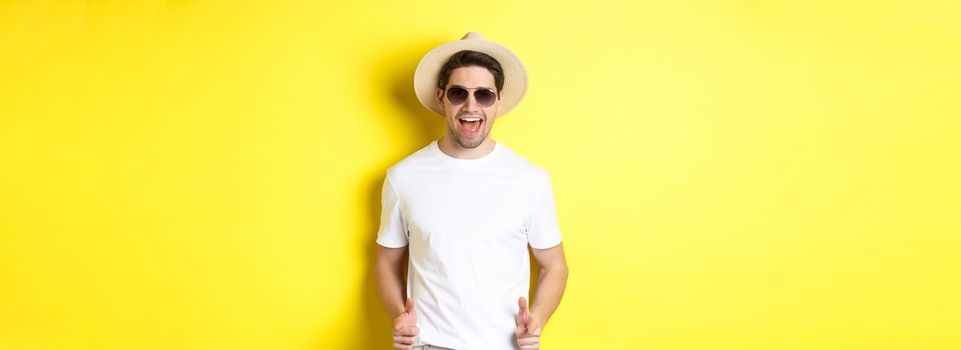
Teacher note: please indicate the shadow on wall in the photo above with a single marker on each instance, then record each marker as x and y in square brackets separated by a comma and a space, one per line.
[397, 74]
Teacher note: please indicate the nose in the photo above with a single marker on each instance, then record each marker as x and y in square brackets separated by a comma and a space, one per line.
[471, 104]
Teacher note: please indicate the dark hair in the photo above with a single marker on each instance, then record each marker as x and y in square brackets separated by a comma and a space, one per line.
[467, 58]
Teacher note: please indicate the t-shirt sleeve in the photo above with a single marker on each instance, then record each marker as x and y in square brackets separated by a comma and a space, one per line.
[543, 231]
[392, 232]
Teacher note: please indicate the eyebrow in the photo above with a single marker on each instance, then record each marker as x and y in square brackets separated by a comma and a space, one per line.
[479, 87]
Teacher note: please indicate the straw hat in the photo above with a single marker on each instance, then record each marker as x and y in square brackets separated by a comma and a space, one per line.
[515, 76]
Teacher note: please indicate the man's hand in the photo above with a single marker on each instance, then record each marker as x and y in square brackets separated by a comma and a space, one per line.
[405, 328]
[528, 331]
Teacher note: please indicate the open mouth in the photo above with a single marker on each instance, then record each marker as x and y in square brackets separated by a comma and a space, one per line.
[470, 125]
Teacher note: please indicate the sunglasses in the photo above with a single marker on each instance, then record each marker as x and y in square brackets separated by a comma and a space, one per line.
[484, 96]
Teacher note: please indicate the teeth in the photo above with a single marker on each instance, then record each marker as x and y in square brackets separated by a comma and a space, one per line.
[470, 119]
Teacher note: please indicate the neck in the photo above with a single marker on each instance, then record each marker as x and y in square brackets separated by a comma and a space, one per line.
[453, 149]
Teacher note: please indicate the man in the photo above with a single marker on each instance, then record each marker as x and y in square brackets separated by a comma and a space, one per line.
[464, 209]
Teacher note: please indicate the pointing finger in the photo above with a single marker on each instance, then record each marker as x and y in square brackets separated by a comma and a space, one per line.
[520, 331]
[410, 331]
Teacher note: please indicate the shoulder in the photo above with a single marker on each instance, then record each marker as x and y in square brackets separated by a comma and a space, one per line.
[405, 167]
[526, 168]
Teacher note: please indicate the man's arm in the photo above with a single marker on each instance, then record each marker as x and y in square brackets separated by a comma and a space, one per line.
[391, 287]
[550, 283]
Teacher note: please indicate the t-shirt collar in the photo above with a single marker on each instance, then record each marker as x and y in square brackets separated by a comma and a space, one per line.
[435, 148]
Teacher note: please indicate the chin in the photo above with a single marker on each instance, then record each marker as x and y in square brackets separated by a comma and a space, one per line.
[468, 143]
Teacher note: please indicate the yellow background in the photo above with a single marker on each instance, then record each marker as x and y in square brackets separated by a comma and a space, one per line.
[728, 174]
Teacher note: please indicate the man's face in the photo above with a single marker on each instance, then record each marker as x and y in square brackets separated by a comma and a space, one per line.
[467, 133]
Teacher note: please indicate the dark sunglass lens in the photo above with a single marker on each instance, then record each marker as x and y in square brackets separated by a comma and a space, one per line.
[485, 97]
[456, 95]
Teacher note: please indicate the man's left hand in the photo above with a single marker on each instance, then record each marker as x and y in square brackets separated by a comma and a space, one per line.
[528, 331]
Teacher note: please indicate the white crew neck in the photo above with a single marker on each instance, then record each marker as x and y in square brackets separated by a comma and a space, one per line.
[435, 147]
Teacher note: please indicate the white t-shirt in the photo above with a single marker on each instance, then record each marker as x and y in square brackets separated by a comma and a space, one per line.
[468, 223]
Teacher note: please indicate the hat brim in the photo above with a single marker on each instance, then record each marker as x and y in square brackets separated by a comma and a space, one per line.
[426, 74]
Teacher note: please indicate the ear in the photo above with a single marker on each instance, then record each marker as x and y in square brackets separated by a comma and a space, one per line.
[439, 99]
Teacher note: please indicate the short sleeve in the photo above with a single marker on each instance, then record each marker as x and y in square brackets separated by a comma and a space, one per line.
[543, 231]
[392, 232]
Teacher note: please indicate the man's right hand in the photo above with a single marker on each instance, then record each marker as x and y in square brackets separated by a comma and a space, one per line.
[405, 328]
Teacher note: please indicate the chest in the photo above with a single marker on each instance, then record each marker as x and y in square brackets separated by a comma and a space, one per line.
[469, 210]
